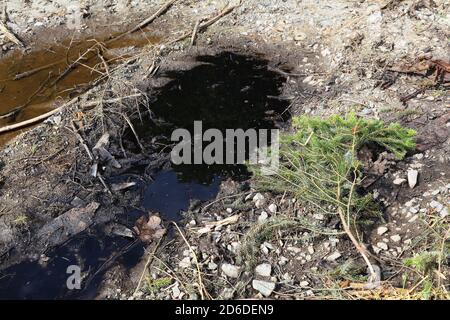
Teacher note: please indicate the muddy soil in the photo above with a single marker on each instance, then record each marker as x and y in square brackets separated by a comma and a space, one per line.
[256, 67]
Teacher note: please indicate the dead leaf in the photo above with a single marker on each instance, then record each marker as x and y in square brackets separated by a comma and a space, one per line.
[149, 229]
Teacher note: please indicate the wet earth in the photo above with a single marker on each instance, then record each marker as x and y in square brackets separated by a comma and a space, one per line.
[224, 91]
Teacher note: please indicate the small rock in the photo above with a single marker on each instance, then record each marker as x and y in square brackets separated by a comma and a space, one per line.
[185, 263]
[273, 208]
[264, 287]
[318, 216]
[399, 181]
[436, 205]
[382, 246]
[396, 238]
[257, 197]
[381, 230]
[227, 294]
[263, 217]
[444, 213]
[176, 291]
[334, 256]
[412, 178]
[283, 261]
[212, 266]
[376, 249]
[260, 203]
[230, 270]
[304, 284]
[264, 270]
[229, 210]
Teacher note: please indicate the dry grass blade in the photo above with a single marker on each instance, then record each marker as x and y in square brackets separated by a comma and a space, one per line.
[202, 290]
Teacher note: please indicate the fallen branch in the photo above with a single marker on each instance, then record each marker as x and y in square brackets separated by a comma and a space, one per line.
[206, 24]
[44, 116]
[147, 21]
[50, 113]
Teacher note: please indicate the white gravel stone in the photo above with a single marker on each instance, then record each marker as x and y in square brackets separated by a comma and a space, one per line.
[334, 256]
[399, 181]
[230, 270]
[382, 246]
[258, 196]
[264, 287]
[263, 217]
[264, 270]
[283, 261]
[212, 266]
[396, 238]
[273, 208]
[412, 177]
[185, 263]
[260, 203]
[381, 230]
[436, 205]
[304, 284]
[318, 216]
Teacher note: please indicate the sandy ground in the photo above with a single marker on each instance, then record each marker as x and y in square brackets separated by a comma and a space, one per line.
[341, 51]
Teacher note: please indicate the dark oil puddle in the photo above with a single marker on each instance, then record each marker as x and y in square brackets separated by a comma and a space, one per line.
[48, 280]
[30, 83]
[224, 91]
[169, 196]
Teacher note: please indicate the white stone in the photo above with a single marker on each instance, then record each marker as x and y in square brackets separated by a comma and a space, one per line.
[263, 217]
[412, 178]
[185, 263]
[436, 205]
[318, 216]
[399, 181]
[260, 203]
[264, 287]
[264, 270]
[212, 266]
[258, 196]
[176, 291]
[230, 270]
[376, 249]
[396, 238]
[304, 284]
[381, 230]
[273, 208]
[283, 261]
[334, 256]
[382, 246]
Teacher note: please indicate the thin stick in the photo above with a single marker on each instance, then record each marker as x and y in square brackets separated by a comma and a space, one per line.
[147, 21]
[206, 24]
[149, 261]
[194, 32]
